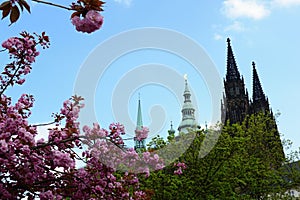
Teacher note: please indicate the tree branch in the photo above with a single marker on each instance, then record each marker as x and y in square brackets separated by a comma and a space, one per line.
[12, 77]
[55, 143]
[52, 4]
[45, 124]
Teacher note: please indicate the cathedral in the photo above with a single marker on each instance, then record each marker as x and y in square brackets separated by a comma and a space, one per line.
[236, 104]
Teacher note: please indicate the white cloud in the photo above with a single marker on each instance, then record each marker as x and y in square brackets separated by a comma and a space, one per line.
[286, 3]
[126, 2]
[218, 36]
[245, 8]
[235, 26]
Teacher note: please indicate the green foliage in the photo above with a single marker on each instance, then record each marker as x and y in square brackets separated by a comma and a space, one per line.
[156, 143]
[247, 162]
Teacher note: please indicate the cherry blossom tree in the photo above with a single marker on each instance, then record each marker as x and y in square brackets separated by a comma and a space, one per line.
[46, 168]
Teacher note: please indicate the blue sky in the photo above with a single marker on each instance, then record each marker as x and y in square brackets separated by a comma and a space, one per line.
[264, 31]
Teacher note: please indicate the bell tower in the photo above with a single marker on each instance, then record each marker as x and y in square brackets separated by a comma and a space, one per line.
[188, 111]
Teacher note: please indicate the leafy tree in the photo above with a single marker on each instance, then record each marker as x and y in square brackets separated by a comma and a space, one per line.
[156, 143]
[246, 163]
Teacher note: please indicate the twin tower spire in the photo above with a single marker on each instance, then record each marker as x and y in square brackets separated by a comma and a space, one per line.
[236, 104]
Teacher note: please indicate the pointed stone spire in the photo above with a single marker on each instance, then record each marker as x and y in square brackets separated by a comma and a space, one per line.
[236, 101]
[259, 100]
[232, 70]
[188, 112]
[258, 93]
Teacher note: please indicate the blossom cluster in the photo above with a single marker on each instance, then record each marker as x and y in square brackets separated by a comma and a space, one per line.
[107, 147]
[141, 134]
[22, 46]
[181, 166]
[100, 181]
[23, 52]
[87, 17]
[91, 22]
[103, 158]
[29, 165]
[114, 135]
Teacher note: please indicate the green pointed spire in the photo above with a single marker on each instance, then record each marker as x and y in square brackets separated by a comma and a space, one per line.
[139, 121]
[140, 145]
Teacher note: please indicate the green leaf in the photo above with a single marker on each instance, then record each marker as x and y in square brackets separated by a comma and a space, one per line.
[15, 14]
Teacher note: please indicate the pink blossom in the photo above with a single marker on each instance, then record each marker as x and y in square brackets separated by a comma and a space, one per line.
[139, 194]
[23, 52]
[21, 46]
[142, 134]
[91, 22]
[62, 160]
[7, 44]
[46, 195]
[181, 166]
[178, 171]
[3, 146]
[20, 81]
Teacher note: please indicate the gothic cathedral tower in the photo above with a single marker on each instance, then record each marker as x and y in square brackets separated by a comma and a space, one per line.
[235, 105]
